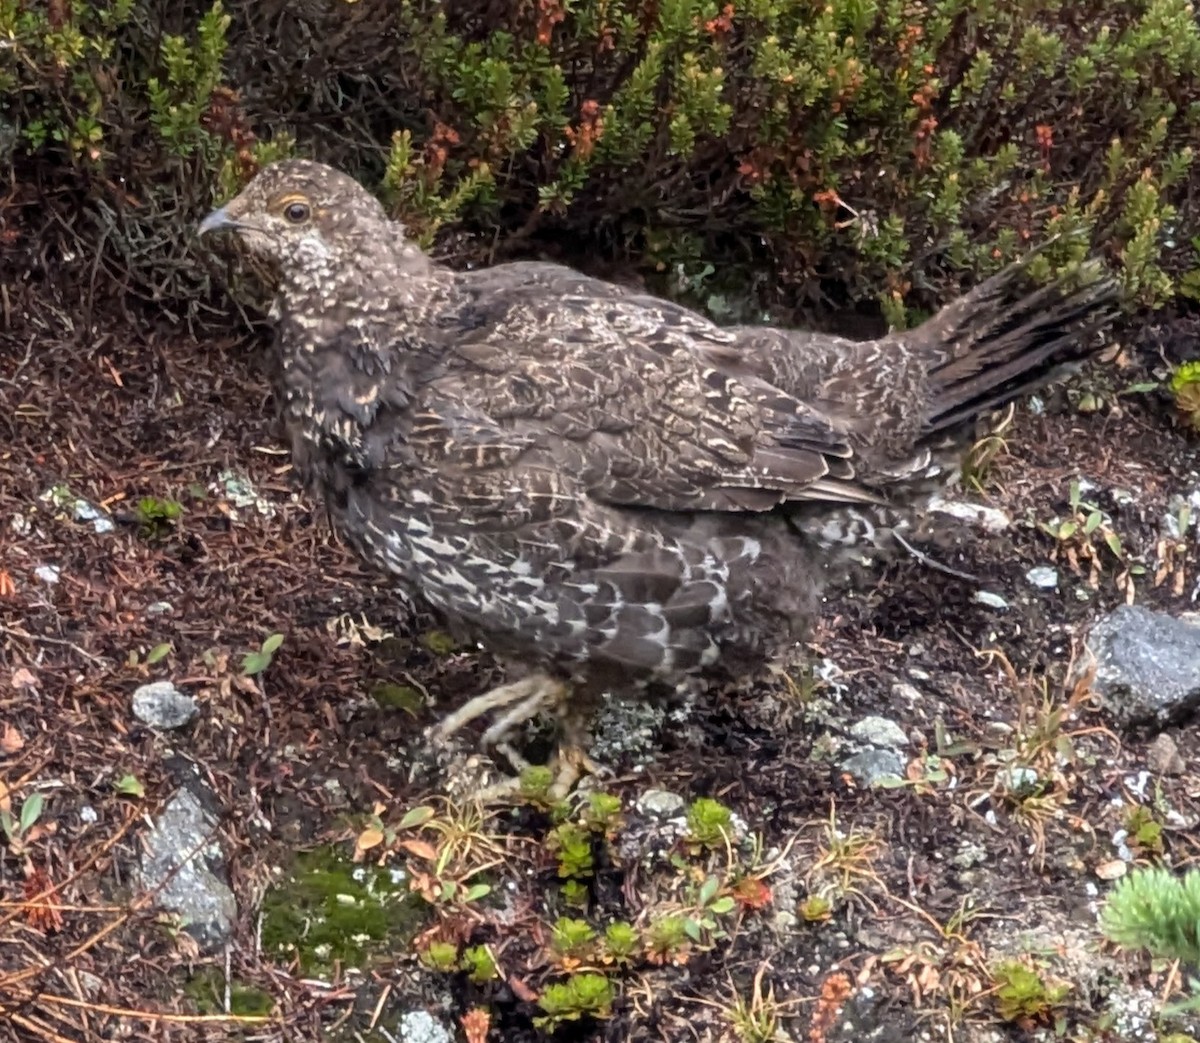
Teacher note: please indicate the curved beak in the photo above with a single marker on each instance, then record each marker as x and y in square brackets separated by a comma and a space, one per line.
[218, 219]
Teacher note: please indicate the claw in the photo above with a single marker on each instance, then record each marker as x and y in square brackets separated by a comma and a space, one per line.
[521, 701]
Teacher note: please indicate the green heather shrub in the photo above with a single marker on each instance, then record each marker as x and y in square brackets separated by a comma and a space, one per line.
[851, 150]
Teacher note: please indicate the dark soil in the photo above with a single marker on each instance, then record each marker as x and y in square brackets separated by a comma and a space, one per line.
[302, 758]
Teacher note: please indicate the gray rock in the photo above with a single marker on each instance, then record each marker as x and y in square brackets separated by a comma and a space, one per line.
[61, 497]
[990, 600]
[1163, 757]
[161, 705]
[990, 519]
[660, 803]
[181, 838]
[419, 1026]
[880, 731]
[1147, 666]
[881, 758]
[240, 491]
[873, 765]
[1043, 577]
[1018, 780]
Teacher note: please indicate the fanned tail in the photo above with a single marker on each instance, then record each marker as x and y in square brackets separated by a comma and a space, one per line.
[1002, 340]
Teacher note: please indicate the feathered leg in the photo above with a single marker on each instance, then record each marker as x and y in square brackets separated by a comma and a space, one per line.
[522, 701]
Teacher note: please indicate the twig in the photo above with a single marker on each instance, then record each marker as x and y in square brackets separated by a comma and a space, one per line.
[937, 566]
[47, 639]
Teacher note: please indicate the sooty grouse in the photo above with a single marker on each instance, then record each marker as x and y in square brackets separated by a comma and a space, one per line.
[598, 483]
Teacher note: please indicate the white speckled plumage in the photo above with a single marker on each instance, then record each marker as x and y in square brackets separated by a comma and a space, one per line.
[594, 480]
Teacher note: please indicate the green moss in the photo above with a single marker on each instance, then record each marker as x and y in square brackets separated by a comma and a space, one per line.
[439, 642]
[206, 989]
[328, 911]
[397, 697]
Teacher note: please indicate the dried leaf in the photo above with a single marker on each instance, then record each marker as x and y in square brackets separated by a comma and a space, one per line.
[368, 839]
[420, 848]
[417, 816]
[522, 991]
[475, 1025]
[41, 896]
[11, 740]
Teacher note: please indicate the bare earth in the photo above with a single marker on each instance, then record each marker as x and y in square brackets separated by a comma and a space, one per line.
[871, 914]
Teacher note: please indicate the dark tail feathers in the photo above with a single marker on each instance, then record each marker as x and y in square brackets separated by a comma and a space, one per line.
[1001, 340]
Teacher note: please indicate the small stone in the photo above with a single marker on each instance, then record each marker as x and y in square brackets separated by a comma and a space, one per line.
[990, 519]
[1147, 666]
[970, 853]
[1162, 756]
[660, 803]
[240, 491]
[159, 608]
[1043, 576]
[987, 598]
[182, 867]
[47, 573]
[419, 1026]
[997, 734]
[1018, 780]
[909, 693]
[873, 765]
[161, 705]
[881, 732]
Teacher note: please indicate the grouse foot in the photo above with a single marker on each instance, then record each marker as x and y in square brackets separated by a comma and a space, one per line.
[521, 701]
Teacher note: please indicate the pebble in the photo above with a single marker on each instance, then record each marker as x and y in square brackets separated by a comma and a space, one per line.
[986, 597]
[419, 1026]
[161, 705]
[1163, 757]
[1043, 576]
[660, 802]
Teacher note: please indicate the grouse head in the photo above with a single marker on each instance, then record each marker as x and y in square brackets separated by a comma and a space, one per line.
[311, 221]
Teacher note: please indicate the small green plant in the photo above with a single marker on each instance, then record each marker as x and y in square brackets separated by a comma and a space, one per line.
[572, 939]
[1085, 520]
[575, 893]
[602, 814]
[757, 1018]
[480, 965]
[257, 662]
[815, 909]
[17, 829]
[1082, 533]
[1156, 910]
[580, 996]
[1185, 386]
[1145, 831]
[666, 940]
[701, 921]
[1023, 994]
[129, 786]
[156, 517]
[535, 783]
[573, 846]
[439, 956]
[621, 942]
[710, 823]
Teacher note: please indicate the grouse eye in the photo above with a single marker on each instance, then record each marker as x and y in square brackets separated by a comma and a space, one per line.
[297, 213]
